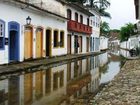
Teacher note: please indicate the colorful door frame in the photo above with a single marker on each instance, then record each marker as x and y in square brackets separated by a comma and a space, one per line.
[13, 35]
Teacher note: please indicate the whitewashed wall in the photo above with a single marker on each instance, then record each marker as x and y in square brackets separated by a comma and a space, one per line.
[95, 29]
[50, 5]
[125, 45]
[103, 43]
[132, 42]
[73, 11]
[19, 15]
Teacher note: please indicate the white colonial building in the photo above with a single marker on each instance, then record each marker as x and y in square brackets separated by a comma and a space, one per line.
[79, 29]
[95, 21]
[32, 29]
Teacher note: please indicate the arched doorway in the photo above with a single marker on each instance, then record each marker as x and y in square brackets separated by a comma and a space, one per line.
[28, 43]
[39, 42]
[48, 42]
[14, 31]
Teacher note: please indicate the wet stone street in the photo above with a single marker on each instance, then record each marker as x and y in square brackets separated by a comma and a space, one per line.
[124, 89]
[73, 83]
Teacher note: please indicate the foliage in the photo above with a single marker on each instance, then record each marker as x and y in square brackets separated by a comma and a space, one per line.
[126, 31]
[104, 29]
[101, 5]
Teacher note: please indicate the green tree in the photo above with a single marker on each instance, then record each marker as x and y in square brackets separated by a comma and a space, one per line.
[101, 5]
[104, 29]
[126, 31]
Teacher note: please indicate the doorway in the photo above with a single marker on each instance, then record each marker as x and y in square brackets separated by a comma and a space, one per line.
[76, 44]
[69, 44]
[13, 41]
[28, 43]
[48, 42]
[39, 43]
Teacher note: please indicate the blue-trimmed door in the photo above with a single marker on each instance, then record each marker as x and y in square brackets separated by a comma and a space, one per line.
[14, 31]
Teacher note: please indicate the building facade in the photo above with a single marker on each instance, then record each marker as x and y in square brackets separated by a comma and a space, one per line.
[95, 36]
[33, 29]
[79, 29]
[43, 37]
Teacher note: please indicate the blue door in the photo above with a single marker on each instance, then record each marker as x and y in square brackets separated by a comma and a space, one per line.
[13, 41]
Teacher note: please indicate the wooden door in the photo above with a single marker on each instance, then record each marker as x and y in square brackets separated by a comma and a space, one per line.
[69, 44]
[80, 43]
[28, 43]
[87, 44]
[39, 43]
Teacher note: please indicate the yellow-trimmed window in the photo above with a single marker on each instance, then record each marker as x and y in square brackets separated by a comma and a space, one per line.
[56, 38]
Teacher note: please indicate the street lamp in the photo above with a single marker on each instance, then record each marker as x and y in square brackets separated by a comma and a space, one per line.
[28, 20]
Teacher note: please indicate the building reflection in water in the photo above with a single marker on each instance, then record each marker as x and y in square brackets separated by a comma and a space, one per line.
[61, 85]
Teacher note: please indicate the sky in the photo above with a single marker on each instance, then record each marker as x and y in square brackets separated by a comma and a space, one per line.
[122, 12]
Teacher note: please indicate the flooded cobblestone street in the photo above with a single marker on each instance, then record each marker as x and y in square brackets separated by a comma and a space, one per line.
[124, 89]
[74, 83]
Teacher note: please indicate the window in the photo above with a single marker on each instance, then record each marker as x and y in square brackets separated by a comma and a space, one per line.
[69, 14]
[88, 21]
[81, 19]
[76, 17]
[2, 36]
[55, 38]
[61, 39]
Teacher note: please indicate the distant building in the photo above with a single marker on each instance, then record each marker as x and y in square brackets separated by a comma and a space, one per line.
[114, 39]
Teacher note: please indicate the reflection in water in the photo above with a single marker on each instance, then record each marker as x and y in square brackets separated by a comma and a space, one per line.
[61, 85]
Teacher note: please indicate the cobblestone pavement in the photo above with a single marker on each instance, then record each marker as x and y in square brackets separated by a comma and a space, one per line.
[124, 89]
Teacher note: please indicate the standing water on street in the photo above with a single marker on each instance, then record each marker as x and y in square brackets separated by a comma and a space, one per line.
[65, 84]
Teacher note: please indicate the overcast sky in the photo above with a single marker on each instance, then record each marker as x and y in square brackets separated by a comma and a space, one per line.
[122, 12]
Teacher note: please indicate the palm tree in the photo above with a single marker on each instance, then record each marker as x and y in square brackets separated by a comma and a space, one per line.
[101, 5]
[104, 29]
[104, 13]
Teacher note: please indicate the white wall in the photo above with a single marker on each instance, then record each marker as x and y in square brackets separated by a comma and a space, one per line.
[103, 43]
[50, 5]
[132, 42]
[20, 15]
[125, 45]
[73, 11]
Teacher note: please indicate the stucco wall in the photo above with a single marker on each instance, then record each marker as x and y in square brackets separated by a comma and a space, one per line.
[12, 13]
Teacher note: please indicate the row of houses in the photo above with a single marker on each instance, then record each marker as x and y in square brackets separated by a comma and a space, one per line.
[31, 29]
